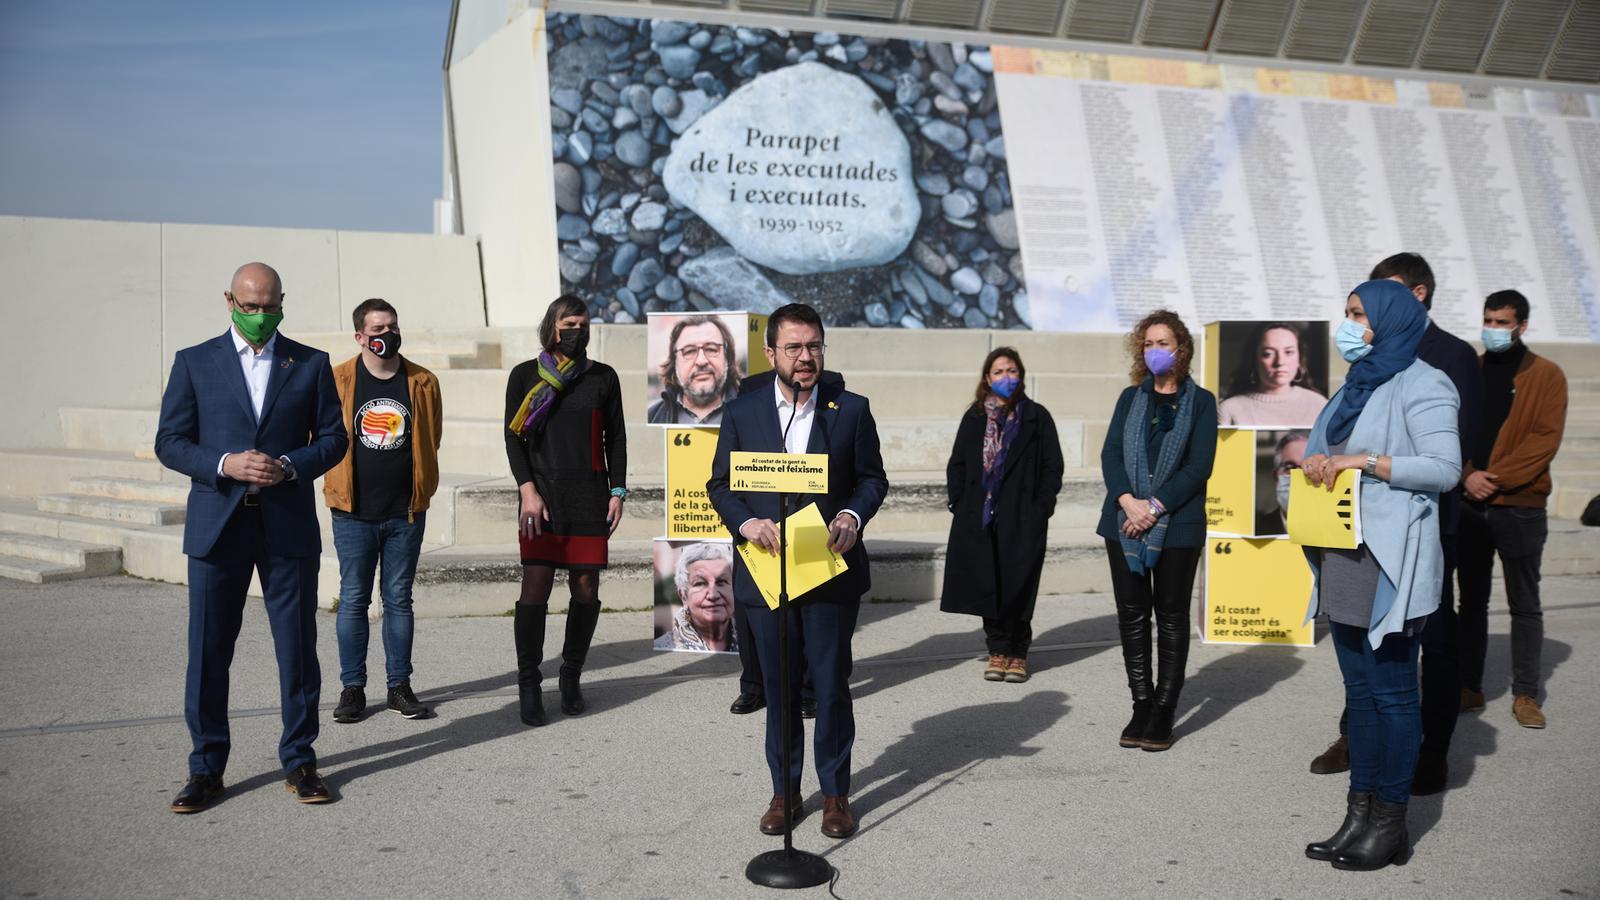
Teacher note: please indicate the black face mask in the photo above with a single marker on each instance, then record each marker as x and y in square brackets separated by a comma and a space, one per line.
[386, 345]
[574, 342]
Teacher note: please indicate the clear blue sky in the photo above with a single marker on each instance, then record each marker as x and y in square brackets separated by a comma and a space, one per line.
[302, 114]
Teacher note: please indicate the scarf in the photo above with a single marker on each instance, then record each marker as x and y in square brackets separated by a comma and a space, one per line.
[1397, 321]
[687, 637]
[1141, 553]
[554, 378]
[998, 434]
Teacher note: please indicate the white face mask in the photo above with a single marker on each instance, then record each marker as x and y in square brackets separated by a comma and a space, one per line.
[1283, 492]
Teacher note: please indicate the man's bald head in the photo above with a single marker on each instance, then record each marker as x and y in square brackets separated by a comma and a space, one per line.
[256, 278]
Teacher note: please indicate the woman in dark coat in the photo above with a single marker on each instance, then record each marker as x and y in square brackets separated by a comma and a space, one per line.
[1157, 457]
[567, 446]
[1003, 477]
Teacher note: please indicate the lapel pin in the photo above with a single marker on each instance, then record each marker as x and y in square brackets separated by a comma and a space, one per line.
[832, 405]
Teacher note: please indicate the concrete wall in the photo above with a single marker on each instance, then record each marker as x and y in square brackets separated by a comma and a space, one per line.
[500, 100]
[95, 310]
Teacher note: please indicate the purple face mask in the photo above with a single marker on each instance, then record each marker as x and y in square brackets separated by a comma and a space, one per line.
[1160, 360]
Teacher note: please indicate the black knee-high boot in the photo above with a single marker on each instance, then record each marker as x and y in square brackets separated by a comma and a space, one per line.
[529, 628]
[581, 621]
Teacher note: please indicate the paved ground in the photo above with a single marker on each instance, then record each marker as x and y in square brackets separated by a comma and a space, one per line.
[964, 787]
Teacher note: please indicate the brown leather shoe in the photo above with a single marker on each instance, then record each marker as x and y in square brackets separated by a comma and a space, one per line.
[1016, 670]
[996, 670]
[1471, 700]
[772, 821]
[836, 819]
[1333, 760]
[306, 785]
[1527, 712]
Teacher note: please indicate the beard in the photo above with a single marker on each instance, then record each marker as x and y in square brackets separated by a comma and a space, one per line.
[701, 392]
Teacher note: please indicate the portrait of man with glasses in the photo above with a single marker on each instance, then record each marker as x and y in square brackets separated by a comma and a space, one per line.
[700, 373]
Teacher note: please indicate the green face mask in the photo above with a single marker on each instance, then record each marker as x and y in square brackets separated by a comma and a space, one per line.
[257, 328]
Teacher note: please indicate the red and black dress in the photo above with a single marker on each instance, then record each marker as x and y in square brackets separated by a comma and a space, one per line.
[574, 462]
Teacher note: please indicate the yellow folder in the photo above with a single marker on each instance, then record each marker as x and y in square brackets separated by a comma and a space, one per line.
[811, 563]
[1322, 518]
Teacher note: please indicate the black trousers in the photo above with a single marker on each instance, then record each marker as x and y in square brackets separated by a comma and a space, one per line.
[1008, 637]
[1166, 592]
[750, 679]
[1517, 535]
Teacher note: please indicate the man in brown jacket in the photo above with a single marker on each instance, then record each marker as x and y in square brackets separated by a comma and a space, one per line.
[1507, 486]
[379, 495]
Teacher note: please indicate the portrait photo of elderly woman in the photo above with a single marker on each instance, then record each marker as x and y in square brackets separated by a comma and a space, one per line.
[697, 362]
[1275, 373]
[694, 597]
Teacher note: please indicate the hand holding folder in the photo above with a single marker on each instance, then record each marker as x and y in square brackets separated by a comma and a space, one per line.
[811, 563]
[1322, 518]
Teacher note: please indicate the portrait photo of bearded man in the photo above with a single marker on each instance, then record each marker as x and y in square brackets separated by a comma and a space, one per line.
[700, 372]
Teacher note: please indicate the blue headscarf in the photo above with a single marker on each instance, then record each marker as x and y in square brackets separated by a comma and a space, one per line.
[1397, 321]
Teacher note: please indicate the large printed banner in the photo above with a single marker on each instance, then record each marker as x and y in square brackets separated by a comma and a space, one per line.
[918, 184]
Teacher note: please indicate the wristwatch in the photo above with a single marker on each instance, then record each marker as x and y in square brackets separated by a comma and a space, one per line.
[288, 468]
[1371, 468]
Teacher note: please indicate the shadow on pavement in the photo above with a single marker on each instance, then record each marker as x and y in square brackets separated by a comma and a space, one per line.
[966, 648]
[942, 747]
[1232, 680]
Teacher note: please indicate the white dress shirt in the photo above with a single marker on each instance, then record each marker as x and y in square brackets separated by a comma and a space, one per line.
[798, 437]
[257, 368]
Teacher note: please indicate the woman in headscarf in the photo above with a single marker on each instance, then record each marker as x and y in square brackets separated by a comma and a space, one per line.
[567, 446]
[1394, 421]
[1002, 479]
[1156, 459]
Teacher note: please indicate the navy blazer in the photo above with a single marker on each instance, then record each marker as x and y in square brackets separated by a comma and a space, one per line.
[206, 412]
[843, 428]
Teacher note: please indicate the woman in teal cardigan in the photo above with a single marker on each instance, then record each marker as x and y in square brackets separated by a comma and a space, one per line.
[1395, 421]
[1156, 459]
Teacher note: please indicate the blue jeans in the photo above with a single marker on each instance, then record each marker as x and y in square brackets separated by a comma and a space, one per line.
[361, 545]
[1382, 700]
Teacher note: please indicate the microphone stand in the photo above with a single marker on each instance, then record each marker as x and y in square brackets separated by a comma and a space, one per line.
[787, 868]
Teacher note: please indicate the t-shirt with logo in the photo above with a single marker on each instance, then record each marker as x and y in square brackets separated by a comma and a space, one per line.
[381, 437]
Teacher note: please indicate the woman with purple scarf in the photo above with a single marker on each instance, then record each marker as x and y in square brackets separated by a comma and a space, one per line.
[1156, 459]
[567, 446]
[1003, 477]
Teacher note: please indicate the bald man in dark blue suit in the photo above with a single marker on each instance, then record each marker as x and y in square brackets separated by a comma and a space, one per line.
[800, 415]
[253, 419]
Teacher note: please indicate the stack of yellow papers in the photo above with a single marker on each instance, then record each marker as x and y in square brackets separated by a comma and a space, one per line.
[1322, 518]
[811, 563]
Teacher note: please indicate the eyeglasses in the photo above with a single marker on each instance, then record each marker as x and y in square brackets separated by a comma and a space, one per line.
[792, 351]
[251, 309]
[711, 351]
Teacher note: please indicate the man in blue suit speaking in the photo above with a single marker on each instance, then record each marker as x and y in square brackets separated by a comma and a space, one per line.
[253, 419]
[799, 415]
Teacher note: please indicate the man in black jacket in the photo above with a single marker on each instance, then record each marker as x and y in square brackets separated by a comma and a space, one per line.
[1441, 677]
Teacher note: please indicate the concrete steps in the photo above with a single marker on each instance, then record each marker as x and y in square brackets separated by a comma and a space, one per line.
[40, 559]
[112, 509]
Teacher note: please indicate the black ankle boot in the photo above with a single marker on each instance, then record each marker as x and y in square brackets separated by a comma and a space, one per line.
[581, 621]
[1158, 732]
[529, 628]
[1133, 735]
[1383, 842]
[1355, 822]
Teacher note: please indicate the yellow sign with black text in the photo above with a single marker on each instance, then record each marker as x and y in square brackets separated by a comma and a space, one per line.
[1231, 490]
[1256, 592]
[758, 339]
[689, 512]
[774, 473]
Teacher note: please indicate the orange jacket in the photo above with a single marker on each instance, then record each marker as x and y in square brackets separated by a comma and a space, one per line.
[1529, 439]
[427, 424]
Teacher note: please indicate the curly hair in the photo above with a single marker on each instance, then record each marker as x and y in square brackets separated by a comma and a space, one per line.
[1135, 344]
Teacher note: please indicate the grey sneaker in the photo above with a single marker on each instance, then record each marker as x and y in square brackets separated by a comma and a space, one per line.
[402, 701]
[352, 703]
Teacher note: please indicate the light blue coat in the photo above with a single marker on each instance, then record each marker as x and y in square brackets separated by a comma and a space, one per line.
[1411, 419]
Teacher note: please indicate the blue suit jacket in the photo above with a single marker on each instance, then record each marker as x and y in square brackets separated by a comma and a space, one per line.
[206, 412]
[843, 429]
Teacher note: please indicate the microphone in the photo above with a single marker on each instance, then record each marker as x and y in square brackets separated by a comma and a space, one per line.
[794, 407]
